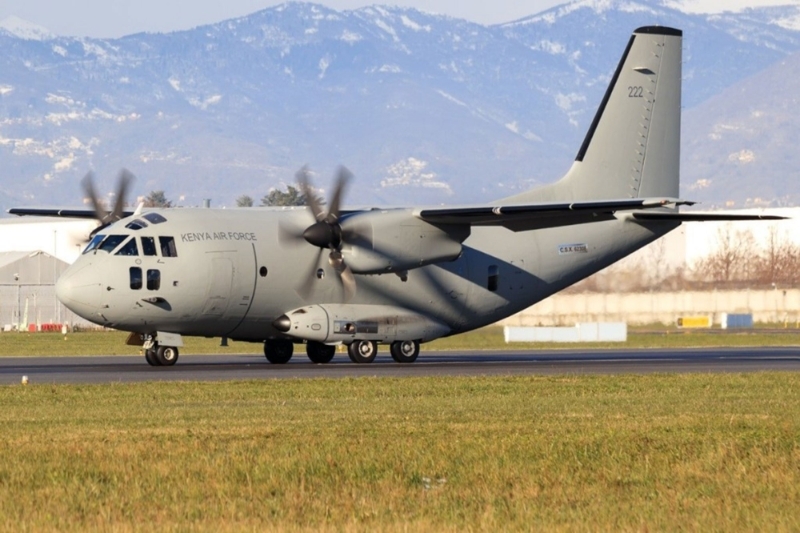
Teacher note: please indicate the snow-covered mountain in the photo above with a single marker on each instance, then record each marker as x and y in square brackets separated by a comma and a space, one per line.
[422, 108]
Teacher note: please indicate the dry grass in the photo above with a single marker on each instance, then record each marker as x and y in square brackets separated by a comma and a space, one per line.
[593, 453]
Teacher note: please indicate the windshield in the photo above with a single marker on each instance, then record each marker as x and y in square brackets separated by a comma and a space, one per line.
[94, 243]
[111, 242]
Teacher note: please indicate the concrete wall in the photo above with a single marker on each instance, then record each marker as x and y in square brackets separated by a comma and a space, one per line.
[659, 307]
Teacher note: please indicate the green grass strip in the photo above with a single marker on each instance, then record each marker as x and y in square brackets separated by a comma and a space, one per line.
[591, 453]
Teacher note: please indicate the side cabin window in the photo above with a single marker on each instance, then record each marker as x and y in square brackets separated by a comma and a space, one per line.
[149, 246]
[136, 278]
[129, 248]
[168, 247]
[494, 278]
[153, 280]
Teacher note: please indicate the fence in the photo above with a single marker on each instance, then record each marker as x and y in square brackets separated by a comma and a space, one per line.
[22, 305]
[774, 305]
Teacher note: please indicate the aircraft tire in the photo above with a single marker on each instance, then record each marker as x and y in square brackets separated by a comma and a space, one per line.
[405, 351]
[362, 351]
[151, 358]
[278, 352]
[320, 353]
[167, 355]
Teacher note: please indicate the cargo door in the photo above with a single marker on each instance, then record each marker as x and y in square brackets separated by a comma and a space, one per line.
[219, 288]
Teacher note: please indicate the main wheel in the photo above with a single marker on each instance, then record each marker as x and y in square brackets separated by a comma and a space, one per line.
[151, 358]
[167, 355]
[405, 351]
[320, 353]
[362, 351]
[278, 352]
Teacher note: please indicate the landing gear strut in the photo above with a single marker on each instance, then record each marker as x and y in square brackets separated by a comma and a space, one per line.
[320, 353]
[405, 351]
[278, 352]
[362, 351]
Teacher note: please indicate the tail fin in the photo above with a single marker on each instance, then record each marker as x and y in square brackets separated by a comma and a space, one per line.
[632, 149]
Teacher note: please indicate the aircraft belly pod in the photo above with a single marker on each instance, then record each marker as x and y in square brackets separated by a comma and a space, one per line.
[321, 276]
[338, 323]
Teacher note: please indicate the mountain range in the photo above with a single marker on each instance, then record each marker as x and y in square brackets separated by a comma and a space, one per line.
[423, 109]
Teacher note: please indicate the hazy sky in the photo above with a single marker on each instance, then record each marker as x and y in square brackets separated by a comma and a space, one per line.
[114, 18]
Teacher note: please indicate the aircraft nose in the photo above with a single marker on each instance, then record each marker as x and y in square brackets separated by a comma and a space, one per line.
[75, 289]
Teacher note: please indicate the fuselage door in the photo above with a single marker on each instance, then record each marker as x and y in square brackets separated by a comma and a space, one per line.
[219, 287]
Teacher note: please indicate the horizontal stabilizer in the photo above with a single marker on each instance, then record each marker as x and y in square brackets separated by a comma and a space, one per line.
[703, 217]
[544, 215]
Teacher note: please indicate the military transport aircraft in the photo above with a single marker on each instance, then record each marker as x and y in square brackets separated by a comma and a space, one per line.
[326, 276]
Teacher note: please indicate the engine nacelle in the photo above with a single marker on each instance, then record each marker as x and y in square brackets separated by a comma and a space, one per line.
[377, 242]
[335, 323]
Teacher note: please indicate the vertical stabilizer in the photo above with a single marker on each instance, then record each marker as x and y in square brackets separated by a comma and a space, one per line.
[632, 148]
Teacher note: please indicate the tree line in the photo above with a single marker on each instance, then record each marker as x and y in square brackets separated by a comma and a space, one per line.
[276, 197]
[736, 260]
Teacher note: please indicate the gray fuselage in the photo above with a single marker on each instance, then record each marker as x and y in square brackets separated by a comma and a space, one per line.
[232, 276]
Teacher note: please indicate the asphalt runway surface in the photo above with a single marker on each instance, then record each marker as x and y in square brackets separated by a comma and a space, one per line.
[123, 369]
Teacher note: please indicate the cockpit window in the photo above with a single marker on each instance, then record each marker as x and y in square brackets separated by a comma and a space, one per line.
[155, 218]
[129, 248]
[149, 246]
[168, 247]
[136, 224]
[111, 242]
[95, 242]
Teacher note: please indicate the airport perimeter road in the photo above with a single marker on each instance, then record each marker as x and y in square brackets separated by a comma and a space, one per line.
[111, 369]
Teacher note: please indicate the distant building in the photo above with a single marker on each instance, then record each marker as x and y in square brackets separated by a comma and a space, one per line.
[27, 290]
[63, 238]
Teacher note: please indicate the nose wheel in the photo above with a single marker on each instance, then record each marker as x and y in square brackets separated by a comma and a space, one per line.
[161, 355]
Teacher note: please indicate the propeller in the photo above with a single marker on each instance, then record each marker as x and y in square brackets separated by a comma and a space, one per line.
[103, 216]
[325, 233]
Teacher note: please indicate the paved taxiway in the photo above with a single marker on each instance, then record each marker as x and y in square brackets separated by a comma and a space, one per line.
[100, 369]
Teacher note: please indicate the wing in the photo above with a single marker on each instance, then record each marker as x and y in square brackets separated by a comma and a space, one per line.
[539, 216]
[58, 212]
[703, 217]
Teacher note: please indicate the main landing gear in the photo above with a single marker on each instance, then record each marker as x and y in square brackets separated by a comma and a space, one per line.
[320, 353]
[362, 351]
[405, 351]
[161, 355]
[365, 351]
[278, 351]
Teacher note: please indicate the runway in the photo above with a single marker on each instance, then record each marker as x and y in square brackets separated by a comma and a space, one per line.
[122, 369]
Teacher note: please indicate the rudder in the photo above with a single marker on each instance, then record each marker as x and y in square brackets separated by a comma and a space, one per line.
[632, 148]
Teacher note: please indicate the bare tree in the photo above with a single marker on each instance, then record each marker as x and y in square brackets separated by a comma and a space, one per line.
[157, 199]
[244, 201]
[291, 196]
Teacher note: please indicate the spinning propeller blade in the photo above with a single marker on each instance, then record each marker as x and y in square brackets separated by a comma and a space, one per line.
[326, 232]
[103, 216]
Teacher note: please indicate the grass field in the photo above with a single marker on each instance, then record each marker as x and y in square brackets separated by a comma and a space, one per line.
[590, 453]
[113, 342]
